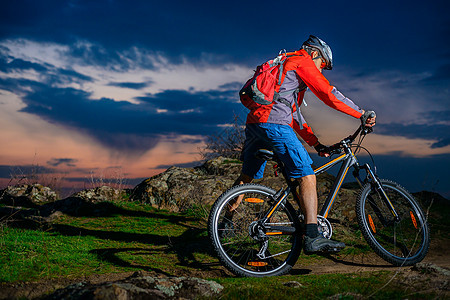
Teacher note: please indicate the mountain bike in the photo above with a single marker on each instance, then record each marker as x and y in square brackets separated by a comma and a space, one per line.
[256, 232]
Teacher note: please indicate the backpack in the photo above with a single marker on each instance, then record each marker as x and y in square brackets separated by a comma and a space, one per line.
[263, 87]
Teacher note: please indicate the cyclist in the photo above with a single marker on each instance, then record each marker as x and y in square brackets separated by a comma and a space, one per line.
[272, 126]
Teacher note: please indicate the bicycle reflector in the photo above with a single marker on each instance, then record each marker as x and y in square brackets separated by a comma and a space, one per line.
[274, 233]
[254, 200]
[413, 219]
[257, 263]
[372, 225]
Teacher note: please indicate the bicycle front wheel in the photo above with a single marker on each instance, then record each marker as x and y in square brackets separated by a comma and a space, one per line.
[403, 241]
[243, 244]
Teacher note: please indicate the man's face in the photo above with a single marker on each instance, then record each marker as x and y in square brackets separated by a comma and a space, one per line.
[318, 61]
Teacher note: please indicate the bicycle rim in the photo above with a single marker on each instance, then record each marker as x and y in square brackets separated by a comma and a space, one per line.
[242, 251]
[401, 242]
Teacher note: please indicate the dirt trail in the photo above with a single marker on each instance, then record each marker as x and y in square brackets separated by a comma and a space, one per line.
[367, 263]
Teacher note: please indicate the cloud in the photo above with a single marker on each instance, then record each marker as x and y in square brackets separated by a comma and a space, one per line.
[131, 85]
[128, 103]
[23, 171]
[178, 99]
[41, 71]
[442, 73]
[19, 65]
[439, 132]
[396, 96]
[143, 70]
[122, 125]
[69, 162]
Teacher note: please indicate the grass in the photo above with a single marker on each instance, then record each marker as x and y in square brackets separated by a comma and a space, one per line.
[338, 286]
[127, 236]
[130, 238]
[30, 255]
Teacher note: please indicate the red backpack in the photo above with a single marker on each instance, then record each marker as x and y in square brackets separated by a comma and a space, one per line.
[263, 87]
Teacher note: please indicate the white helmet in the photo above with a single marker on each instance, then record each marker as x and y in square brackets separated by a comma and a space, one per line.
[324, 50]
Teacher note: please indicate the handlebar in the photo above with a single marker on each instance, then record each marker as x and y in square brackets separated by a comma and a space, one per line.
[337, 148]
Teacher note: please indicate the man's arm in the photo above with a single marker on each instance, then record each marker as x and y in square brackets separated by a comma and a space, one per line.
[306, 134]
[320, 86]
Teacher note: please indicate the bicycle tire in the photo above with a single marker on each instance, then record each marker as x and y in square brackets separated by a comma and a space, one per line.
[402, 243]
[235, 246]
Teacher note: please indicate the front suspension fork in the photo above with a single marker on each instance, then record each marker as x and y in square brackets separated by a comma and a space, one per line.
[376, 185]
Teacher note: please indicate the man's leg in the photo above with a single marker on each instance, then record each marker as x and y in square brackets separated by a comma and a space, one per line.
[233, 204]
[243, 179]
[308, 197]
[226, 226]
[308, 202]
[314, 241]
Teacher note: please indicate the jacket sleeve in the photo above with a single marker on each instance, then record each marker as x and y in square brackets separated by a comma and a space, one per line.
[320, 86]
[306, 134]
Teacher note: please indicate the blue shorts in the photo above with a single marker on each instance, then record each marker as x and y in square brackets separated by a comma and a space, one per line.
[283, 141]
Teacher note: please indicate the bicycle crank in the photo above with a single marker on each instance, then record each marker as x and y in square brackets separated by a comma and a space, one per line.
[324, 227]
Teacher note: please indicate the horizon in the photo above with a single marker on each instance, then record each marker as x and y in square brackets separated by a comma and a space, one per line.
[112, 89]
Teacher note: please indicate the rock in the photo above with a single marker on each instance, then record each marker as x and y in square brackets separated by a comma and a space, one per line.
[222, 166]
[141, 287]
[293, 284]
[90, 202]
[178, 188]
[431, 268]
[29, 195]
[100, 194]
[346, 296]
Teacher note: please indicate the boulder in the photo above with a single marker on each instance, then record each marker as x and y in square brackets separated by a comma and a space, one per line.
[141, 287]
[100, 194]
[28, 195]
[178, 188]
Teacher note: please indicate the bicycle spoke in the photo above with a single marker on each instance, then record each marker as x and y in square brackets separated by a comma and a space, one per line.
[250, 246]
[401, 241]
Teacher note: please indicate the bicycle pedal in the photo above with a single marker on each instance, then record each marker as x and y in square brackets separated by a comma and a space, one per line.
[325, 250]
[332, 250]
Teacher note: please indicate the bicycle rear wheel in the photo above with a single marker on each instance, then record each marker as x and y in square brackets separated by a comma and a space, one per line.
[245, 246]
[402, 242]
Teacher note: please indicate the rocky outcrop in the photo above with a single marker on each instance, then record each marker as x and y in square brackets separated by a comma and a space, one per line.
[100, 194]
[27, 195]
[178, 188]
[141, 287]
[40, 203]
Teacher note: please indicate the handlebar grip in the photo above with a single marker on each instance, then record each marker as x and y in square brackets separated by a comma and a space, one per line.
[335, 149]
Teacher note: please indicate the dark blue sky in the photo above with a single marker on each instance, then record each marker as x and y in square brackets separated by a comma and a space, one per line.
[103, 69]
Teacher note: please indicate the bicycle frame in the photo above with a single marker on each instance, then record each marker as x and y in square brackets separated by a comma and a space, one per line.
[348, 160]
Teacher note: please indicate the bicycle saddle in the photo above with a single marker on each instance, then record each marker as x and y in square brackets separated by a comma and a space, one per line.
[264, 154]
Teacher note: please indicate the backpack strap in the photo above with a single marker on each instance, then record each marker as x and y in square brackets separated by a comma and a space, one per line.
[285, 102]
[296, 90]
[298, 115]
[282, 61]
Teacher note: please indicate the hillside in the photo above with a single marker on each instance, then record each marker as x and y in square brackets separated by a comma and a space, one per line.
[109, 240]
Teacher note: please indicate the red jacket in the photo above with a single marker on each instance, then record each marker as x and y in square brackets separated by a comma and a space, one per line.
[300, 72]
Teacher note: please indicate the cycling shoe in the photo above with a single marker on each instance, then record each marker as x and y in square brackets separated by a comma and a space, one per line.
[321, 244]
